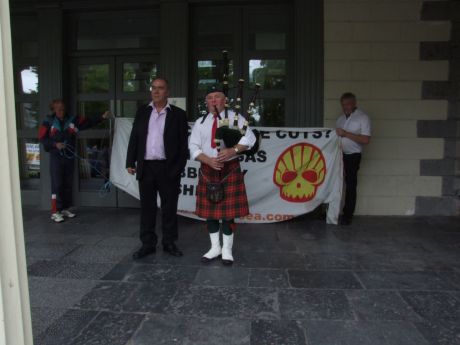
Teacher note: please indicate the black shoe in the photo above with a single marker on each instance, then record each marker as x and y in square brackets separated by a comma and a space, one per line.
[227, 262]
[345, 221]
[143, 252]
[172, 249]
[205, 260]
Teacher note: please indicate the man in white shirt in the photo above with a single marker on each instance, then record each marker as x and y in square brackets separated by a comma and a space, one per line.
[219, 164]
[354, 128]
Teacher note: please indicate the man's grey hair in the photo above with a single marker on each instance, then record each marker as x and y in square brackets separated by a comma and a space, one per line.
[161, 78]
[348, 95]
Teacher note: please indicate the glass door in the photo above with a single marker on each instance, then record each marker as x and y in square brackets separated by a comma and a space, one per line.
[258, 41]
[93, 91]
[119, 84]
[134, 77]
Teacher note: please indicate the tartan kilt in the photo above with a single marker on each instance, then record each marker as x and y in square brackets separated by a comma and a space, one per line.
[235, 202]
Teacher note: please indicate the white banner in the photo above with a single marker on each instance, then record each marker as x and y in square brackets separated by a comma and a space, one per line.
[295, 171]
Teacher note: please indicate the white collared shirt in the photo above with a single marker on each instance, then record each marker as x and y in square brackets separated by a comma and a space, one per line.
[200, 139]
[154, 147]
[357, 123]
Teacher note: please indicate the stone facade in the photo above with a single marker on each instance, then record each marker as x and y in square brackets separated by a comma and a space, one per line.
[397, 63]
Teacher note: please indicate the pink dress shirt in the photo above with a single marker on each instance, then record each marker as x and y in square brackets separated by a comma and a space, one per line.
[155, 148]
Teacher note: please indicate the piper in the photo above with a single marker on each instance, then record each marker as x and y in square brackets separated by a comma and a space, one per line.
[221, 193]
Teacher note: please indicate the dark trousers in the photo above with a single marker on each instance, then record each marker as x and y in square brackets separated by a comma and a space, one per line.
[155, 180]
[351, 167]
[61, 170]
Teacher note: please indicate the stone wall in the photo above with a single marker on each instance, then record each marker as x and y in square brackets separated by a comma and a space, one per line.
[377, 49]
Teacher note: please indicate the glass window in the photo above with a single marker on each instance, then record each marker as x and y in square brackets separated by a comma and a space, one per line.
[29, 80]
[129, 108]
[94, 109]
[94, 167]
[270, 112]
[202, 108]
[270, 74]
[210, 72]
[93, 78]
[29, 158]
[269, 41]
[24, 31]
[27, 115]
[211, 40]
[118, 30]
[137, 76]
[258, 39]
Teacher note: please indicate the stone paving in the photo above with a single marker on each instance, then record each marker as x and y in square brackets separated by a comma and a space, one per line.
[381, 281]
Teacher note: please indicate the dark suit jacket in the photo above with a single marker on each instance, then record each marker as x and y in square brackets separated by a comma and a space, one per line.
[175, 138]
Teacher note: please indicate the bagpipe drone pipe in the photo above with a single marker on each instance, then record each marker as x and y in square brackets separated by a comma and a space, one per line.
[231, 133]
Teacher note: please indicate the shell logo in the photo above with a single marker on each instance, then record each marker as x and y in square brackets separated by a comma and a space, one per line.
[299, 171]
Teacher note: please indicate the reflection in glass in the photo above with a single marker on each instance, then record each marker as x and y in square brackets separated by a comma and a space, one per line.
[94, 168]
[93, 78]
[27, 115]
[129, 108]
[29, 163]
[93, 110]
[137, 76]
[270, 74]
[210, 72]
[29, 80]
[270, 112]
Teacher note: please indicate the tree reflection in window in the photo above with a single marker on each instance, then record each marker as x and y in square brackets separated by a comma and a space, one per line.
[94, 109]
[270, 112]
[93, 78]
[138, 76]
[210, 72]
[270, 74]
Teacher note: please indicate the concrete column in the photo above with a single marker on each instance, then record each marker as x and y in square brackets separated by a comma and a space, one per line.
[308, 64]
[15, 321]
[174, 45]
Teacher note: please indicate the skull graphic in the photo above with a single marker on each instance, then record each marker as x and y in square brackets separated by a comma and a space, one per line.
[299, 171]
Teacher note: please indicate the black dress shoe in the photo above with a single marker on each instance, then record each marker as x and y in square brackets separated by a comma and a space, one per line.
[227, 262]
[143, 252]
[205, 260]
[172, 249]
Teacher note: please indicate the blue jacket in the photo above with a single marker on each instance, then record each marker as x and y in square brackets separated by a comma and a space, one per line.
[53, 130]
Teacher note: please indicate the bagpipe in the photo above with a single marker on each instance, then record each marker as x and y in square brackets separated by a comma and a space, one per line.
[230, 133]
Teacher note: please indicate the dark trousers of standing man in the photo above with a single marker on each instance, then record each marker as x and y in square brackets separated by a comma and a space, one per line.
[351, 167]
[155, 180]
[61, 171]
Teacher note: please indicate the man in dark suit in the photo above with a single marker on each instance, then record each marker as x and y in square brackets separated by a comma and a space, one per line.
[157, 154]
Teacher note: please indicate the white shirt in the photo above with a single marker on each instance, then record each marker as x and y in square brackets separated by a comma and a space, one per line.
[357, 123]
[200, 139]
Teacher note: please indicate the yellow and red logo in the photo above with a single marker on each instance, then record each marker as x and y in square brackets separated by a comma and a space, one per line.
[299, 171]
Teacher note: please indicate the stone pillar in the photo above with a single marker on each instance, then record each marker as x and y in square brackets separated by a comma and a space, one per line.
[308, 64]
[15, 321]
[174, 50]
